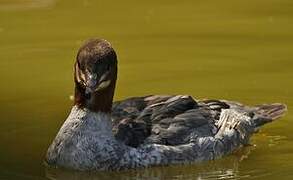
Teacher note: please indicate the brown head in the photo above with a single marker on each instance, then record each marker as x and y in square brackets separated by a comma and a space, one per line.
[95, 74]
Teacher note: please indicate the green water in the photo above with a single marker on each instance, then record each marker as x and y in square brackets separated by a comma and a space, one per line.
[230, 49]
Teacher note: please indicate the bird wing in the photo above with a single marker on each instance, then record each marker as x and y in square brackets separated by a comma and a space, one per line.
[164, 119]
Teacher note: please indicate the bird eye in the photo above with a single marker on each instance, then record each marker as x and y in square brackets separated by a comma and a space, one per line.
[108, 67]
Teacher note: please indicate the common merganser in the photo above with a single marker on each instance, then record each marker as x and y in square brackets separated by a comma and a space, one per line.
[145, 131]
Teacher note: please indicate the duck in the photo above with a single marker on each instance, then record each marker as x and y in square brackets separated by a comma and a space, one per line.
[141, 132]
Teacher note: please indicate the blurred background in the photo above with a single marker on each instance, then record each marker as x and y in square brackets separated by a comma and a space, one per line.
[234, 50]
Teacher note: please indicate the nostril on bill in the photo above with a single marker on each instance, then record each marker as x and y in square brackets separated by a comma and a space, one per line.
[91, 81]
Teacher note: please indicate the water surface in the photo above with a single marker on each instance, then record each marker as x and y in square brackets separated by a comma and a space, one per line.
[235, 50]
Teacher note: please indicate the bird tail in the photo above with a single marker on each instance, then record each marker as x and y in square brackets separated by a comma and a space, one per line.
[266, 113]
[246, 124]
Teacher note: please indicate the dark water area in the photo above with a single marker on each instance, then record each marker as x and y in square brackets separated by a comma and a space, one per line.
[234, 50]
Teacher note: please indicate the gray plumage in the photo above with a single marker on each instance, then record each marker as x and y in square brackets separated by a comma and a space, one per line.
[156, 130]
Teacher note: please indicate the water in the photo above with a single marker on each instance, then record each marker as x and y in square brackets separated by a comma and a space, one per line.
[236, 50]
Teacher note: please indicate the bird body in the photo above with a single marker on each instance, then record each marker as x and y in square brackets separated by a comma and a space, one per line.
[145, 131]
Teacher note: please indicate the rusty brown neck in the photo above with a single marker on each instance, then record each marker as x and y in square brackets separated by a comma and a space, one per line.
[100, 101]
